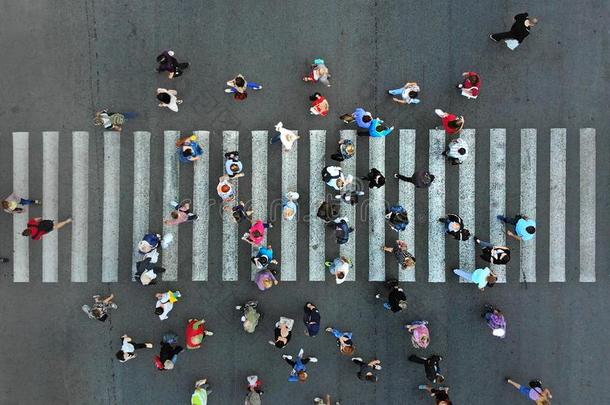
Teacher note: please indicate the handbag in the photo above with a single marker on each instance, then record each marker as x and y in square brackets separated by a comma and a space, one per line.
[512, 44]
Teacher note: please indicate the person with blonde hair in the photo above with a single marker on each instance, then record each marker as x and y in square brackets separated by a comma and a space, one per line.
[344, 340]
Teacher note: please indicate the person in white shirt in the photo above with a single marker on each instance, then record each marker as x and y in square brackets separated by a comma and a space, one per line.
[165, 303]
[128, 348]
[286, 136]
[457, 151]
[408, 93]
[168, 98]
[334, 177]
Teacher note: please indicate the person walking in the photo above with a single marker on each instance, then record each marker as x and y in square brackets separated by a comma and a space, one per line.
[334, 177]
[518, 32]
[286, 136]
[165, 303]
[440, 394]
[311, 319]
[168, 63]
[182, 213]
[397, 300]
[282, 332]
[421, 178]
[195, 333]
[327, 212]
[452, 123]
[344, 340]
[339, 268]
[345, 150]
[129, 347]
[239, 212]
[325, 401]
[255, 390]
[13, 204]
[493, 254]
[454, 227]
[299, 371]
[367, 370]
[168, 355]
[319, 105]
[525, 227]
[239, 87]
[250, 315]
[112, 120]
[38, 227]
[226, 187]
[535, 392]
[377, 129]
[495, 320]
[233, 166]
[342, 230]
[146, 271]
[189, 150]
[319, 73]
[420, 334]
[481, 277]
[263, 257]
[101, 307]
[256, 234]
[431, 366]
[362, 118]
[265, 279]
[168, 98]
[408, 94]
[290, 205]
[401, 253]
[350, 197]
[470, 85]
[4, 260]
[397, 217]
[457, 151]
[375, 178]
[201, 392]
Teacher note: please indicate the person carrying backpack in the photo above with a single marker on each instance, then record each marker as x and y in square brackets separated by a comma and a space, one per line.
[345, 150]
[327, 212]
[168, 355]
[147, 272]
[342, 230]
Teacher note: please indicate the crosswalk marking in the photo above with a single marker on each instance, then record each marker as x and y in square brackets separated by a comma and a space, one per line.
[406, 195]
[436, 208]
[557, 206]
[260, 142]
[587, 204]
[289, 228]
[112, 194]
[201, 207]
[141, 191]
[349, 249]
[21, 252]
[527, 252]
[229, 227]
[317, 246]
[376, 210]
[467, 201]
[497, 193]
[80, 206]
[50, 196]
[171, 192]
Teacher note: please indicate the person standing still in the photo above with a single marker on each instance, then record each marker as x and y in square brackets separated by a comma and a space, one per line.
[519, 31]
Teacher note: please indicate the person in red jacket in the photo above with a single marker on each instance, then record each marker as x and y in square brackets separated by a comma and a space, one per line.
[195, 333]
[471, 85]
[319, 105]
[452, 123]
[38, 227]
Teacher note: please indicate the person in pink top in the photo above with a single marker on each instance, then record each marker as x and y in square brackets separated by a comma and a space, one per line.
[256, 234]
[420, 335]
[182, 213]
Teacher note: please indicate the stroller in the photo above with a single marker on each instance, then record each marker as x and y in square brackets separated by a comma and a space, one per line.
[251, 316]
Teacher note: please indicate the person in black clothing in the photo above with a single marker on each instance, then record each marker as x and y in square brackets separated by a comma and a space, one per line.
[342, 230]
[350, 197]
[421, 178]
[375, 178]
[454, 226]
[440, 394]
[311, 319]
[493, 254]
[397, 300]
[367, 370]
[432, 366]
[168, 63]
[4, 260]
[169, 352]
[144, 273]
[520, 29]
[327, 212]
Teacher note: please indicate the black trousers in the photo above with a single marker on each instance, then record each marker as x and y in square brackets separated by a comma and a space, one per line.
[502, 35]
[405, 178]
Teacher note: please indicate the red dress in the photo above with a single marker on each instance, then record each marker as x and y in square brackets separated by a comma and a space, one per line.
[195, 333]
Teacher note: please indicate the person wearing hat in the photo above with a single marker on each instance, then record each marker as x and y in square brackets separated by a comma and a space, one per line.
[367, 370]
[128, 348]
[457, 151]
[420, 178]
[344, 340]
[168, 63]
[452, 123]
[454, 226]
[299, 371]
[168, 355]
[339, 268]
[286, 136]
[168, 98]
[239, 87]
[525, 227]
[345, 150]
[165, 303]
[319, 73]
[495, 320]
[233, 166]
[408, 93]
[311, 319]
[375, 178]
[481, 277]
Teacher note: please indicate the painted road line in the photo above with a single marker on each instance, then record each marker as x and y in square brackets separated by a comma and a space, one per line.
[201, 207]
[229, 227]
[528, 201]
[497, 193]
[317, 250]
[587, 205]
[50, 208]
[171, 192]
[557, 206]
[141, 192]
[112, 195]
[436, 208]
[349, 211]
[406, 196]
[21, 176]
[467, 201]
[376, 209]
[260, 142]
[289, 228]
[80, 206]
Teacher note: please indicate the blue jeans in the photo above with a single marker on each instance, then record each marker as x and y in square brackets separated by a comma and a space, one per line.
[339, 334]
[486, 244]
[464, 274]
[396, 92]
[254, 86]
[276, 139]
[25, 201]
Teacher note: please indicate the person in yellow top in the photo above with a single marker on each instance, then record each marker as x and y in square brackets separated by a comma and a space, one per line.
[13, 204]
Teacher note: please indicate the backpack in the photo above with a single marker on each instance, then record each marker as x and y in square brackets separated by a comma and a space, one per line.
[342, 232]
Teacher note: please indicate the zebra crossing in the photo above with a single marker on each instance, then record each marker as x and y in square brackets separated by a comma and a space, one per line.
[375, 270]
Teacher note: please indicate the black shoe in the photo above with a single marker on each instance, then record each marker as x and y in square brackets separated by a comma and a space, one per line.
[491, 36]
[4, 260]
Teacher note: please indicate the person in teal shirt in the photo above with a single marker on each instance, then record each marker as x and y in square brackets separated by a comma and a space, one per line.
[525, 227]
[377, 129]
[482, 277]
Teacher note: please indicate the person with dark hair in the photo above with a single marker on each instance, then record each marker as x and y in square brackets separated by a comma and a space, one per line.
[402, 255]
[38, 227]
[13, 204]
[495, 320]
[345, 150]
[454, 226]
[101, 307]
[377, 129]
[457, 151]
[408, 93]
[334, 177]
[525, 227]
[439, 394]
[534, 391]
[168, 355]
[256, 234]
[168, 98]
[165, 303]
[182, 213]
[263, 257]
[420, 178]
[362, 118]
[239, 87]
[367, 370]
[493, 254]
[233, 166]
[4, 260]
[311, 319]
[344, 340]
[319, 105]
[189, 148]
[397, 217]
[282, 332]
[481, 277]
[519, 30]
[470, 85]
[327, 212]
[168, 63]
[452, 123]
[397, 300]
[431, 365]
[128, 348]
[239, 212]
[350, 197]
[146, 271]
[375, 178]
[342, 230]
[299, 371]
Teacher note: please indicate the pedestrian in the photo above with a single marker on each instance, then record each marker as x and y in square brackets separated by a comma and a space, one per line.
[129, 347]
[263, 257]
[311, 319]
[454, 227]
[195, 333]
[420, 334]
[375, 178]
[535, 392]
[38, 227]
[342, 230]
[350, 197]
[334, 177]
[495, 320]
[493, 254]
[319, 73]
[452, 123]
[328, 212]
[367, 370]
[431, 365]
[290, 206]
[239, 213]
[149, 246]
[377, 129]
[319, 105]
[226, 187]
[482, 277]
[101, 307]
[189, 150]
[401, 253]
[112, 120]
[421, 178]
[282, 332]
[339, 268]
[525, 227]
[362, 118]
[165, 303]
[344, 340]
[518, 32]
[13, 204]
[265, 279]
[147, 272]
[202, 390]
[233, 166]
[4, 260]
[256, 234]
[299, 371]
[345, 150]
[408, 93]
[182, 213]
[397, 300]
[168, 355]
[470, 85]
[239, 87]
[255, 390]
[325, 401]
[457, 151]
[168, 98]
[250, 317]
[286, 136]
[397, 217]
[168, 63]
[439, 394]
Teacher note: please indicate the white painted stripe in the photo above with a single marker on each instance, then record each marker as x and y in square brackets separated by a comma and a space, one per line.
[527, 252]
[201, 207]
[141, 192]
[21, 178]
[80, 206]
[289, 228]
[587, 204]
[376, 210]
[406, 196]
[112, 195]
[317, 248]
[171, 192]
[467, 201]
[260, 142]
[50, 196]
[349, 249]
[436, 208]
[497, 193]
[229, 227]
[557, 206]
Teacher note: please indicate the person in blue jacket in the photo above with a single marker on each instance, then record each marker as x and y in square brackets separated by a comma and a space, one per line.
[299, 371]
[377, 129]
[362, 118]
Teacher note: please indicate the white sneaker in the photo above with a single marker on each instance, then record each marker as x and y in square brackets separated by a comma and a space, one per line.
[208, 333]
[439, 112]
[357, 358]
[313, 359]
[301, 353]
[228, 90]
[287, 356]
